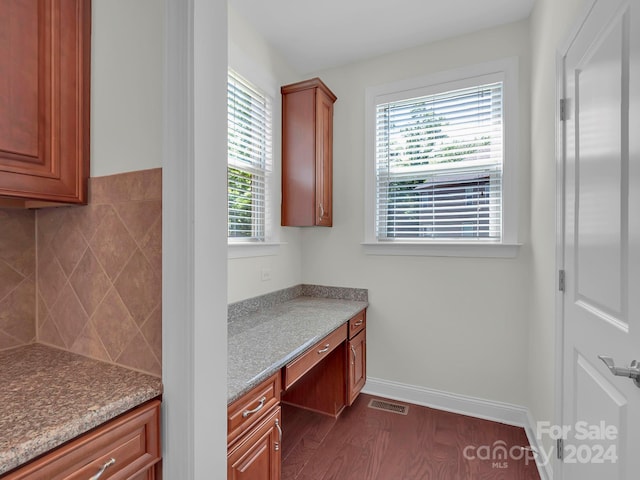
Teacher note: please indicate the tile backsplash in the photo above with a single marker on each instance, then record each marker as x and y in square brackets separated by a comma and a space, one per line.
[17, 278]
[99, 282]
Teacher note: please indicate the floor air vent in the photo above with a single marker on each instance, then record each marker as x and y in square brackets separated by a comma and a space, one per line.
[388, 406]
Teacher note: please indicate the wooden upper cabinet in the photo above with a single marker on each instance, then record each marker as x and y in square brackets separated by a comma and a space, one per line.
[307, 154]
[45, 48]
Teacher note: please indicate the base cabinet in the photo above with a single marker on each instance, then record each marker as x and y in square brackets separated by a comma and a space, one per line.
[254, 433]
[258, 454]
[356, 356]
[126, 448]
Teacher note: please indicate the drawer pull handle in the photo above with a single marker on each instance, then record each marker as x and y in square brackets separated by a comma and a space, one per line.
[353, 350]
[111, 461]
[358, 323]
[246, 413]
[277, 445]
[322, 350]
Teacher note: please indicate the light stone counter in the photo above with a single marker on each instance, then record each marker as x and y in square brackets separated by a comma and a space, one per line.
[49, 396]
[264, 340]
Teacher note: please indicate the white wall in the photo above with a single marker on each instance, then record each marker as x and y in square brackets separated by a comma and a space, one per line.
[254, 59]
[126, 85]
[452, 324]
[551, 23]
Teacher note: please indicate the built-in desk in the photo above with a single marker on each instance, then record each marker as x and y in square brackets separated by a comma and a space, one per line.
[266, 338]
[301, 349]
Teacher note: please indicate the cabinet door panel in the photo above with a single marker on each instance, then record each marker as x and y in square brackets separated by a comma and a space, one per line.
[357, 365]
[44, 99]
[19, 78]
[258, 455]
[324, 160]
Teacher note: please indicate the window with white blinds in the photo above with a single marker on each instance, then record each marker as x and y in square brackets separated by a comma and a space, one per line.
[249, 160]
[439, 165]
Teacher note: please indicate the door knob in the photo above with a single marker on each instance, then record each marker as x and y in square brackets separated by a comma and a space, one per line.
[632, 371]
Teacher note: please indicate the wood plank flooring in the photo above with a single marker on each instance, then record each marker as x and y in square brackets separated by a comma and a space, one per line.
[426, 444]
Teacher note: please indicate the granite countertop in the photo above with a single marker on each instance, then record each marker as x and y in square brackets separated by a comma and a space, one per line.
[49, 396]
[262, 341]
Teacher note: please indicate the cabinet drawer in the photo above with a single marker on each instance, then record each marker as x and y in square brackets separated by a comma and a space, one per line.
[130, 444]
[357, 324]
[301, 365]
[251, 407]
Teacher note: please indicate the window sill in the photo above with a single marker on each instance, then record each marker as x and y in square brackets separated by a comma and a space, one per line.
[250, 249]
[448, 249]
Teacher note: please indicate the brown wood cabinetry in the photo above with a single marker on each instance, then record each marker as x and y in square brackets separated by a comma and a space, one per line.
[305, 362]
[324, 378]
[307, 154]
[45, 50]
[257, 455]
[254, 433]
[357, 375]
[357, 356]
[127, 447]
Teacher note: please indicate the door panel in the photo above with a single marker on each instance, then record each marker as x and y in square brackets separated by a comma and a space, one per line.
[598, 94]
[602, 202]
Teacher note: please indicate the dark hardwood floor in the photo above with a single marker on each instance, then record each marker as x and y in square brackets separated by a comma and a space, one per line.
[368, 444]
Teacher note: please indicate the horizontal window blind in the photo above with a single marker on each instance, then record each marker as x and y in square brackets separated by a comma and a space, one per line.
[249, 159]
[439, 165]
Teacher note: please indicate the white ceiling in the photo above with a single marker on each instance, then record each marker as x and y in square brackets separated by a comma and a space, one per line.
[314, 35]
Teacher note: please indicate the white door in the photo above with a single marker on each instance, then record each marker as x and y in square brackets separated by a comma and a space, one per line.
[601, 412]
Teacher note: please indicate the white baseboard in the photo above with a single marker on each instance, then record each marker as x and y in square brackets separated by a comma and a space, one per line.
[474, 407]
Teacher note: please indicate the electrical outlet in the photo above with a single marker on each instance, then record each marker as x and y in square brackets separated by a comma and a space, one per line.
[265, 274]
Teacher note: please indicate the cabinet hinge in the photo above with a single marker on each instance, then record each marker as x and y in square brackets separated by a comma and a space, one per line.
[563, 114]
[559, 448]
[561, 280]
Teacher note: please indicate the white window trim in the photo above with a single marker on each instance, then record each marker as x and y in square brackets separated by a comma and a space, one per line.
[258, 76]
[509, 246]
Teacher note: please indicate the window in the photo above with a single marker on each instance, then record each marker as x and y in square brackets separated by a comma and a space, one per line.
[249, 160]
[441, 167]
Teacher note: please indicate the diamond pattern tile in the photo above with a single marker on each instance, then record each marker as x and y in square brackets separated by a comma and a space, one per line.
[138, 217]
[9, 279]
[17, 312]
[97, 290]
[137, 354]
[114, 324]
[48, 333]
[17, 244]
[51, 277]
[69, 246]
[87, 219]
[89, 344]
[17, 277]
[151, 246]
[90, 282]
[69, 316]
[139, 287]
[112, 244]
[99, 272]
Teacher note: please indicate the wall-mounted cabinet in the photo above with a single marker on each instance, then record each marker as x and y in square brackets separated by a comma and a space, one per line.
[307, 154]
[44, 101]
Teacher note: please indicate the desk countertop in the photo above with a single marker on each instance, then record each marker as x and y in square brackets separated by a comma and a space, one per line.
[262, 342]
